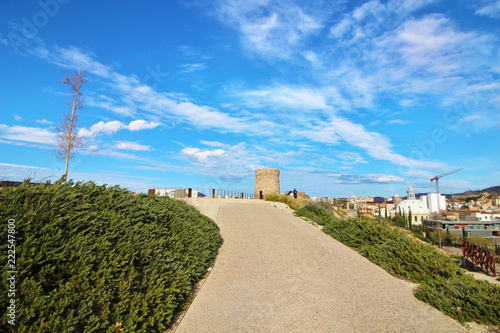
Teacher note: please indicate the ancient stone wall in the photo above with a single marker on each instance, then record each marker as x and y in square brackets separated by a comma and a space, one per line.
[267, 181]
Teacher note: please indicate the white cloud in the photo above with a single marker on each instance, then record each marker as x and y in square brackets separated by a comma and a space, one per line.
[189, 68]
[201, 156]
[72, 57]
[353, 179]
[138, 97]
[492, 9]
[287, 97]
[407, 102]
[108, 103]
[16, 117]
[270, 29]
[430, 39]
[114, 126]
[44, 121]
[313, 58]
[27, 134]
[341, 28]
[350, 158]
[470, 118]
[126, 145]
[398, 122]
[405, 7]
[3, 165]
[137, 125]
[214, 143]
[109, 127]
[375, 144]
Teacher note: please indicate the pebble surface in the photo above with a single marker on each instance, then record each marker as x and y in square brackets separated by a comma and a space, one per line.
[277, 273]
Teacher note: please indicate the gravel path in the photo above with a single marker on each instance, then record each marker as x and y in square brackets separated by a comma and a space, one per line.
[277, 273]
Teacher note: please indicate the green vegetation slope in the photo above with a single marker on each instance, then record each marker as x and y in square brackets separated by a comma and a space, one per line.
[442, 283]
[89, 258]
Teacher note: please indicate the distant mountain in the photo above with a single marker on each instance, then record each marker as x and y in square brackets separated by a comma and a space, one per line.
[493, 191]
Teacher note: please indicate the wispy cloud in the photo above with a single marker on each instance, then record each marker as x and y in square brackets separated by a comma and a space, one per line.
[350, 158]
[470, 118]
[214, 144]
[127, 145]
[398, 122]
[189, 68]
[286, 97]
[492, 9]
[138, 98]
[27, 134]
[44, 121]
[271, 29]
[202, 156]
[4, 165]
[357, 179]
[230, 164]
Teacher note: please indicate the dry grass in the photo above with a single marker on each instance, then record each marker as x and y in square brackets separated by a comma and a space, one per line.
[290, 201]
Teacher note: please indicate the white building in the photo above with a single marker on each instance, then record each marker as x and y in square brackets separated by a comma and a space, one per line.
[436, 202]
[418, 207]
[483, 216]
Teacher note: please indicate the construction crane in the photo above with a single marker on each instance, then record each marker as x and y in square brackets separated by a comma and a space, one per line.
[441, 176]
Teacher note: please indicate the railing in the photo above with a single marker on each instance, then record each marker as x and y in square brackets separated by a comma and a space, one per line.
[479, 256]
[206, 192]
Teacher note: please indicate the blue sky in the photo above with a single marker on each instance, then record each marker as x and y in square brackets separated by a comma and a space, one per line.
[344, 97]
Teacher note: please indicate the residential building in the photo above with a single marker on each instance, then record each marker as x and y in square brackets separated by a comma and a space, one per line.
[397, 200]
[436, 202]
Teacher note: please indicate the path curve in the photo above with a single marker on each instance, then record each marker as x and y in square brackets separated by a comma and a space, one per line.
[277, 273]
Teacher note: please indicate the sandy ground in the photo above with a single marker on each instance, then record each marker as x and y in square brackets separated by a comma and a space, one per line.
[276, 273]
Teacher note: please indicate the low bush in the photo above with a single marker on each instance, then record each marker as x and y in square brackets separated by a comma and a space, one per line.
[465, 299]
[443, 284]
[417, 233]
[89, 257]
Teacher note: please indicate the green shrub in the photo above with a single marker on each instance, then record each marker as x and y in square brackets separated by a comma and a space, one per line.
[465, 299]
[443, 284]
[400, 221]
[89, 257]
[417, 233]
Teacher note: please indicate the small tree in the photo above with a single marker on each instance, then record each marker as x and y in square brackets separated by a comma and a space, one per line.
[67, 138]
[409, 219]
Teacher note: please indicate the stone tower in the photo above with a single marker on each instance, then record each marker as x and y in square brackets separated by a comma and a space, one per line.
[267, 181]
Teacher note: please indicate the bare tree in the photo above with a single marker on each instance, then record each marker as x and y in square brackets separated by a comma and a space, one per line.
[67, 138]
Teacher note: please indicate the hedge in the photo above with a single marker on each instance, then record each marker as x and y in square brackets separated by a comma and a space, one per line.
[443, 284]
[89, 258]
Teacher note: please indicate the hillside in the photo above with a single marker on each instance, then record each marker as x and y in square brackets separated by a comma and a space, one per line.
[493, 191]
